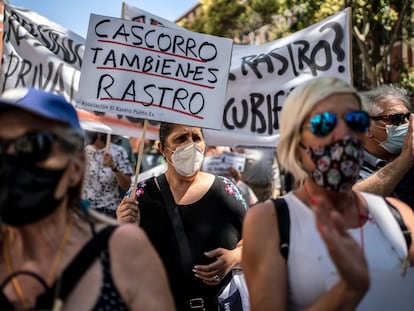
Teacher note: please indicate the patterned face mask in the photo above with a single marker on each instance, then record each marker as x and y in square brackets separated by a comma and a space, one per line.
[337, 164]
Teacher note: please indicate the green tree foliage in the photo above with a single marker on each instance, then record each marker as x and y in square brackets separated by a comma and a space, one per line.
[377, 26]
[217, 17]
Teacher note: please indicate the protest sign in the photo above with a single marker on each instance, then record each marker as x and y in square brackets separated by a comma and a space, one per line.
[260, 76]
[156, 73]
[40, 53]
[219, 164]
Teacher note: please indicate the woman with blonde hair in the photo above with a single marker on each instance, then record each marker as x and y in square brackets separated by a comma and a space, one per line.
[339, 240]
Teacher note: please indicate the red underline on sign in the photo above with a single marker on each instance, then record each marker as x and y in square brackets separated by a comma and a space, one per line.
[152, 50]
[145, 103]
[156, 75]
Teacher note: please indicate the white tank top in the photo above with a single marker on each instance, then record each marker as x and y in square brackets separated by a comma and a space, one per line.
[310, 270]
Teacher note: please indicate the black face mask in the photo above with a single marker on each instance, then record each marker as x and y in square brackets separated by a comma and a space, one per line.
[27, 191]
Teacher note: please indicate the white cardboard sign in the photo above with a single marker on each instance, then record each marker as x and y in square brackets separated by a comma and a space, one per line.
[154, 73]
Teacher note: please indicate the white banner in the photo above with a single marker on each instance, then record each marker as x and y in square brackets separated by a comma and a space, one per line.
[219, 164]
[260, 76]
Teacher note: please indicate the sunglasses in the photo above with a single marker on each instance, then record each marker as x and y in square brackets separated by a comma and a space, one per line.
[323, 123]
[394, 119]
[32, 146]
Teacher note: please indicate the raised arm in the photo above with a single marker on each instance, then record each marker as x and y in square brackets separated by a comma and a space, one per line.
[384, 181]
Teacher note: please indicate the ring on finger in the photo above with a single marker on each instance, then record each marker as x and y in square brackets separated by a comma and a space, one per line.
[216, 278]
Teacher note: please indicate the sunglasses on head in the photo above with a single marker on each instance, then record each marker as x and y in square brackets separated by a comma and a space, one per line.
[394, 119]
[323, 123]
[32, 146]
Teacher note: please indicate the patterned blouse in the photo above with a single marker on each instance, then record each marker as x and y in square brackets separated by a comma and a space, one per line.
[101, 186]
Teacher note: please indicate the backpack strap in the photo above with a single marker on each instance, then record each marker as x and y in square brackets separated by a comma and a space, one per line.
[76, 269]
[283, 220]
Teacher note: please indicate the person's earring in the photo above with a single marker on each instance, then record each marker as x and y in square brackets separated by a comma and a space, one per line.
[71, 181]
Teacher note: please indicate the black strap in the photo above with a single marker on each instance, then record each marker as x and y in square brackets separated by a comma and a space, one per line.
[397, 215]
[172, 210]
[76, 269]
[283, 220]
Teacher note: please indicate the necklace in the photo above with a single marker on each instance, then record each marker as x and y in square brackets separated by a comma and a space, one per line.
[361, 217]
[53, 270]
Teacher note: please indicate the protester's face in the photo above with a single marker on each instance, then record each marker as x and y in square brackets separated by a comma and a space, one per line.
[183, 135]
[36, 158]
[17, 123]
[377, 132]
[339, 105]
[20, 124]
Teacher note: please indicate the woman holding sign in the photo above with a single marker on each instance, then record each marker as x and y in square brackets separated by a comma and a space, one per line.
[194, 219]
[323, 245]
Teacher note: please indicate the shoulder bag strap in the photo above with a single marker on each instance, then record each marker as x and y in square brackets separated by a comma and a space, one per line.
[172, 210]
[283, 220]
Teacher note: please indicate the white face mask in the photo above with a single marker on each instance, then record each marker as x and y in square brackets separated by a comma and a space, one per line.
[395, 138]
[187, 159]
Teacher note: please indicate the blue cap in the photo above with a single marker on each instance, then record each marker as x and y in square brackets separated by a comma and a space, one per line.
[41, 103]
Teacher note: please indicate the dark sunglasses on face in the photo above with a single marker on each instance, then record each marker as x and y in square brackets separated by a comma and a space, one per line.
[32, 146]
[323, 123]
[394, 119]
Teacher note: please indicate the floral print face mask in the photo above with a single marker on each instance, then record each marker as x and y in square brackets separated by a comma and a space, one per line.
[337, 164]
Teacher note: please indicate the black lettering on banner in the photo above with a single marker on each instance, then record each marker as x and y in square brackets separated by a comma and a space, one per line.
[284, 62]
[121, 32]
[110, 58]
[154, 39]
[131, 63]
[22, 73]
[207, 51]
[19, 28]
[260, 110]
[234, 110]
[95, 55]
[292, 60]
[164, 42]
[136, 36]
[157, 64]
[336, 46]
[180, 99]
[296, 56]
[196, 101]
[311, 61]
[130, 90]
[105, 82]
[97, 33]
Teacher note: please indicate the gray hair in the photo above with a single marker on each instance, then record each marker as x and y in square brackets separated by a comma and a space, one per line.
[373, 100]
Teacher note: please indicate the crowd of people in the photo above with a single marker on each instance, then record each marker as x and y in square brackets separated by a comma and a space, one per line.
[78, 232]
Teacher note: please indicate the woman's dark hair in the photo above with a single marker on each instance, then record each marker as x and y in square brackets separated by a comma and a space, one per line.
[166, 129]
